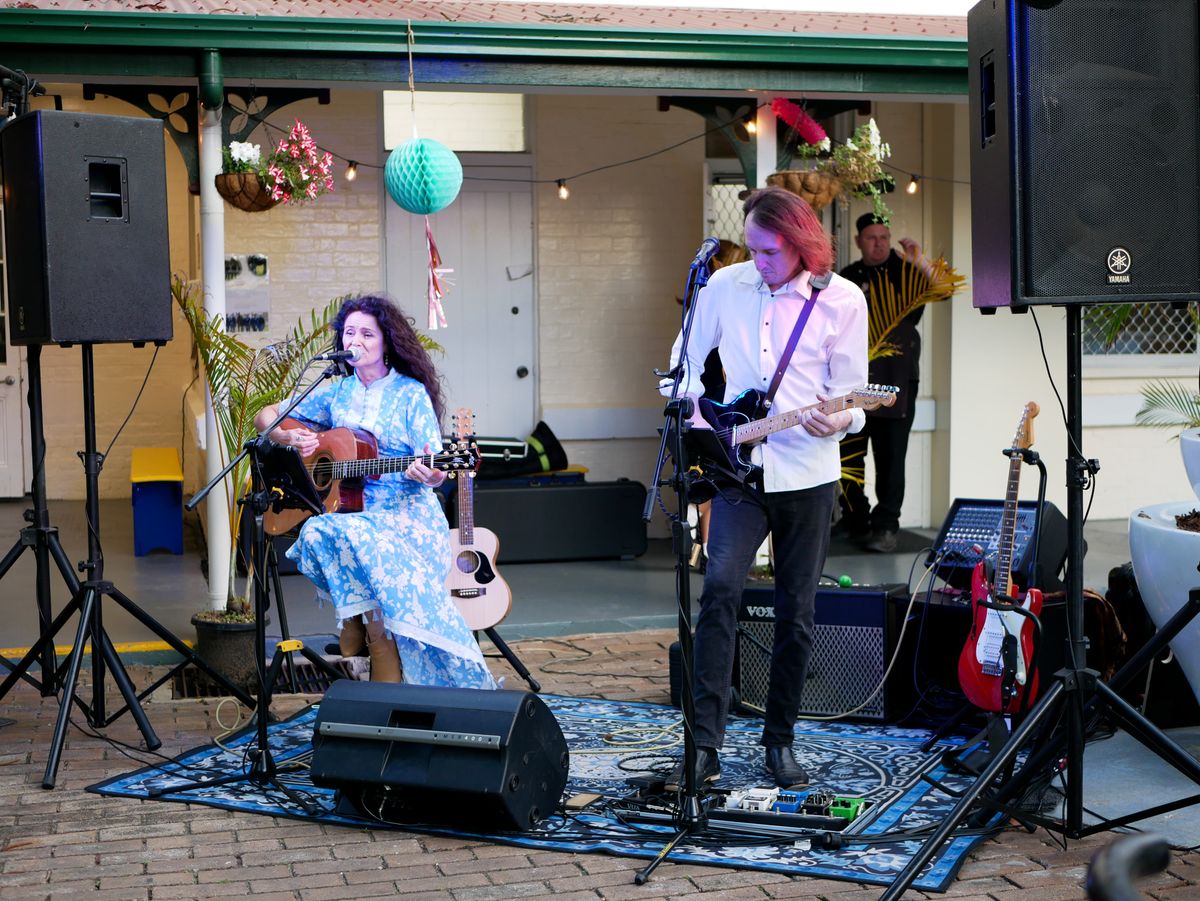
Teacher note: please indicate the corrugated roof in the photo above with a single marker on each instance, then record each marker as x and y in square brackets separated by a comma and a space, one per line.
[557, 14]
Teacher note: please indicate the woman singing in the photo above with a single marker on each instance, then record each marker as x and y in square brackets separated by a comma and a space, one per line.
[385, 568]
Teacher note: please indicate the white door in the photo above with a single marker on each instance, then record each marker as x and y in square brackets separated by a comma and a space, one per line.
[12, 407]
[486, 238]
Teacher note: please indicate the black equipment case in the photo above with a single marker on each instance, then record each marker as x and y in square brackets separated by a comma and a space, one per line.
[543, 519]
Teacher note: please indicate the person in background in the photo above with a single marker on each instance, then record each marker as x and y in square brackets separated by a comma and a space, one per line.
[887, 428]
[748, 311]
[385, 568]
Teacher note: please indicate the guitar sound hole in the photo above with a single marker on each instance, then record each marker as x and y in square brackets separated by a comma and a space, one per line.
[322, 473]
[467, 562]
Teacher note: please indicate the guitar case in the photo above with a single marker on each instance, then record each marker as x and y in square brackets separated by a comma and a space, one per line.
[545, 519]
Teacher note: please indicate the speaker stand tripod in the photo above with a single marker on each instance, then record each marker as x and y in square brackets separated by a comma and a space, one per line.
[1077, 694]
[39, 536]
[86, 600]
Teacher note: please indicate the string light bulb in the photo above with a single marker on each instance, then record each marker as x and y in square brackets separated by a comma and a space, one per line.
[352, 171]
[751, 127]
[563, 191]
[912, 185]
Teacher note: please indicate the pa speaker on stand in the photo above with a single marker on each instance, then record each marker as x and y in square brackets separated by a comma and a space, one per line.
[86, 229]
[1084, 151]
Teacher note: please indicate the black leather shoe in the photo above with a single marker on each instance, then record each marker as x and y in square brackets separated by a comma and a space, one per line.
[708, 770]
[781, 764]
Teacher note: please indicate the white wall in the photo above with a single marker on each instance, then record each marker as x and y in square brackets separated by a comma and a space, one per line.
[611, 262]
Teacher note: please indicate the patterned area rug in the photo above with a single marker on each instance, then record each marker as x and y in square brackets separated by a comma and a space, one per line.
[612, 741]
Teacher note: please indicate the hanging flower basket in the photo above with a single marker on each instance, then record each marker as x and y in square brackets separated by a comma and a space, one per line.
[245, 190]
[817, 189]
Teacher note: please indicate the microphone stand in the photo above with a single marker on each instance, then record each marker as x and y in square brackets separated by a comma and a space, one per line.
[261, 768]
[691, 814]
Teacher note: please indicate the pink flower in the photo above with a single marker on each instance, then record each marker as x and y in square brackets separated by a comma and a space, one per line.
[806, 126]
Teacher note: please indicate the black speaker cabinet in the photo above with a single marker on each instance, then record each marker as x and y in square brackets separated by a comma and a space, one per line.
[454, 756]
[1084, 151]
[85, 206]
[855, 634]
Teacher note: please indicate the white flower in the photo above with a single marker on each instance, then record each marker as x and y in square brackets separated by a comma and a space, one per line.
[824, 144]
[244, 152]
[879, 149]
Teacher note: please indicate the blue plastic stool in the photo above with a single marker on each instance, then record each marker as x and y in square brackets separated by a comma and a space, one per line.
[157, 483]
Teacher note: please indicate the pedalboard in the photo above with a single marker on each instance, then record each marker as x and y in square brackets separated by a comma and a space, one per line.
[818, 809]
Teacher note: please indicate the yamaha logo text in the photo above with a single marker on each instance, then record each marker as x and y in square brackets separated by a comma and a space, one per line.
[1119, 264]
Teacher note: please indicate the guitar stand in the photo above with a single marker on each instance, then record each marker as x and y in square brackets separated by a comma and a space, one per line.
[513, 660]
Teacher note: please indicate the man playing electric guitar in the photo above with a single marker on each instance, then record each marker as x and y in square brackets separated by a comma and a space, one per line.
[751, 312]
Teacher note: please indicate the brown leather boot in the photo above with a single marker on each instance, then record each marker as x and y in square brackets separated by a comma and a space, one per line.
[353, 638]
[381, 648]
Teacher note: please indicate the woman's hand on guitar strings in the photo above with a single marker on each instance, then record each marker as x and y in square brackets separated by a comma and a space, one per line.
[419, 472]
[304, 440]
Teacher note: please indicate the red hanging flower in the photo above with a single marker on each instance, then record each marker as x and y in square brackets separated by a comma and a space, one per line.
[806, 126]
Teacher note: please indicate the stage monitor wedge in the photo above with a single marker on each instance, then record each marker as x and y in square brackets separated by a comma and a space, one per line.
[1084, 156]
[85, 227]
[465, 757]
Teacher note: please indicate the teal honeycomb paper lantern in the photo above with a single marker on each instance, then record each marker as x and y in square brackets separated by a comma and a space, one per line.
[423, 176]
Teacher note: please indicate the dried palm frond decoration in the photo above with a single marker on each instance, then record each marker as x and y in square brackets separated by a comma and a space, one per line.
[889, 305]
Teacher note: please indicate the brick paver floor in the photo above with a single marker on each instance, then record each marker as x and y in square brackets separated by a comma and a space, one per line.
[66, 842]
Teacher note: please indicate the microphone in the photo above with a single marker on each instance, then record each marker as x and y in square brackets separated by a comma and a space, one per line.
[337, 356]
[706, 252]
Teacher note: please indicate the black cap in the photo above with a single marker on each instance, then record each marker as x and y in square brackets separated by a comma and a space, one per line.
[868, 219]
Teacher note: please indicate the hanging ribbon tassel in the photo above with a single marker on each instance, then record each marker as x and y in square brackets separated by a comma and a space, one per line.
[433, 288]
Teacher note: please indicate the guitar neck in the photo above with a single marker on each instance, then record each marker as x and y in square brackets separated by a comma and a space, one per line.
[466, 509]
[1008, 528]
[357, 469]
[769, 425]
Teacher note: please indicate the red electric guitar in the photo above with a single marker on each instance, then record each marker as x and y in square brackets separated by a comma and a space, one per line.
[482, 596]
[993, 668]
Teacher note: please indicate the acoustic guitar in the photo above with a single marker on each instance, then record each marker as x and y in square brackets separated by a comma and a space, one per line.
[344, 460]
[482, 596]
[993, 668]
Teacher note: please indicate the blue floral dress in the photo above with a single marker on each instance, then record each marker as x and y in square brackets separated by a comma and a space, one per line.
[391, 560]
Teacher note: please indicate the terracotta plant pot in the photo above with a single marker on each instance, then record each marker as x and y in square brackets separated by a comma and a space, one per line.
[245, 190]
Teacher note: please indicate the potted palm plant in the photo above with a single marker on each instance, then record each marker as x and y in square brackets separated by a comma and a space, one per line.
[242, 381]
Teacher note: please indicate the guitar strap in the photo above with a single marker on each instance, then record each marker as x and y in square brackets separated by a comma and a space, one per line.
[816, 283]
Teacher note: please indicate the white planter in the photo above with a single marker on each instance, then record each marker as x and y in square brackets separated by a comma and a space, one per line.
[1189, 447]
[1164, 563]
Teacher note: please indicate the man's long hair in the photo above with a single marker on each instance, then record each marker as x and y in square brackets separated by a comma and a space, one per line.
[405, 354]
[784, 213]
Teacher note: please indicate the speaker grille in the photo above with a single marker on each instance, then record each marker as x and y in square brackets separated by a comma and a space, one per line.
[845, 667]
[853, 637]
[1108, 111]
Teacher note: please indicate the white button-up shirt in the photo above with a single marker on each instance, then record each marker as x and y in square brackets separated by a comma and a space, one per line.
[738, 314]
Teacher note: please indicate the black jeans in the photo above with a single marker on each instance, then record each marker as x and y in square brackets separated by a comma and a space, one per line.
[889, 445]
[799, 524]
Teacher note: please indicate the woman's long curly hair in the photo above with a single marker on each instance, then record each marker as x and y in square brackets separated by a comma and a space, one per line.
[405, 354]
